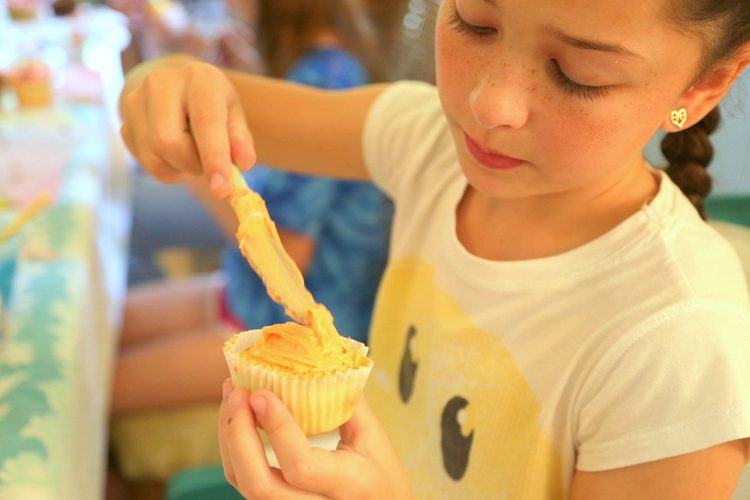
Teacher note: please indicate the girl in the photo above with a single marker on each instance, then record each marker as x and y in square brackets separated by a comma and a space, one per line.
[556, 319]
[335, 230]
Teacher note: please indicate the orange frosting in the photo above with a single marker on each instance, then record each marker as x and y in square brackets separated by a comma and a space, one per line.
[260, 244]
[30, 71]
[311, 346]
[300, 350]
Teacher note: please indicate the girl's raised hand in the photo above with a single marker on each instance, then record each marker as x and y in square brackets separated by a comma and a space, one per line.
[363, 466]
[183, 117]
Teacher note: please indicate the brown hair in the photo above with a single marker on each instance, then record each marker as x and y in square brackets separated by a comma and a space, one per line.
[725, 26]
[288, 28]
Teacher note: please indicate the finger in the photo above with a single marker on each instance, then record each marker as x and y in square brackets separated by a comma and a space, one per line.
[364, 436]
[170, 136]
[208, 117]
[127, 138]
[310, 469]
[138, 138]
[226, 459]
[252, 475]
[240, 441]
[241, 141]
[363, 429]
[133, 110]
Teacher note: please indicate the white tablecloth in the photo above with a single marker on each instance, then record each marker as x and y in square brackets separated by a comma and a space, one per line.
[63, 319]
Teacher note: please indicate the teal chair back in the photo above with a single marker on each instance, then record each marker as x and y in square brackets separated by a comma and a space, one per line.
[729, 208]
[202, 483]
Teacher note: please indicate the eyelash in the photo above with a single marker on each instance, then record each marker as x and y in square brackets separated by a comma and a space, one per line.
[462, 26]
[587, 92]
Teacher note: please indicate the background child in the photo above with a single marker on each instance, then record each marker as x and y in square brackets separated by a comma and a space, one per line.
[335, 230]
[556, 319]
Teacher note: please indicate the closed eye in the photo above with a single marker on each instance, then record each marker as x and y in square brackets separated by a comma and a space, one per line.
[588, 92]
[461, 26]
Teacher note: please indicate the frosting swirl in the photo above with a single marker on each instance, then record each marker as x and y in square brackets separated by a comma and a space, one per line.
[302, 350]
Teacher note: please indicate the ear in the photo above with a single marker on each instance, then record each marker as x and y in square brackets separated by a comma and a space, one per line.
[709, 89]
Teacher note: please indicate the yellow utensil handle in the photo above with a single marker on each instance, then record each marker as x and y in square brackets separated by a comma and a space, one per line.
[238, 181]
[30, 211]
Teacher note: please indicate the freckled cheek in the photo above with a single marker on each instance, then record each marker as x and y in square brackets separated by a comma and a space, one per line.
[574, 139]
[457, 66]
[455, 69]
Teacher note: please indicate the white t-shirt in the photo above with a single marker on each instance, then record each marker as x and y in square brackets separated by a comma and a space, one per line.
[499, 379]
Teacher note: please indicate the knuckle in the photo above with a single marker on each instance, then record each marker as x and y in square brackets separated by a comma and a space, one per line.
[155, 165]
[127, 138]
[151, 81]
[130, 100]
[298, 473]
[165, 141]
[202, 117]
[273, 427]
[200, 69]
[258, 488]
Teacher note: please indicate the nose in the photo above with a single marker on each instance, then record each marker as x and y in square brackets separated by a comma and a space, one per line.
[499, 101]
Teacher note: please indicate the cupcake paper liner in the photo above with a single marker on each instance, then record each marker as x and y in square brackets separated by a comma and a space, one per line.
[319, 403]
[33, 94]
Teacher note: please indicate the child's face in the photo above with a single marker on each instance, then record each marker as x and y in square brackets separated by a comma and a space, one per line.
[514, 80]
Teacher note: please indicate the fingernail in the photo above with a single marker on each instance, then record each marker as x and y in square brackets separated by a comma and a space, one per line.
[234, 401]
[218, 183]
[226, 389]
[259, 405]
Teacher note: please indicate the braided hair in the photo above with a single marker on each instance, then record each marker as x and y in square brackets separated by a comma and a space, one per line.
[689, 152]
[725, 26]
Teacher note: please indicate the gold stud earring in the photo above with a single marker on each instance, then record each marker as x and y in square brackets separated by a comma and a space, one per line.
[678, 117]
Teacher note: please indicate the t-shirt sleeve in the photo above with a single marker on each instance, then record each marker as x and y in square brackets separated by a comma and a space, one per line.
[405, 132]
[678, 384]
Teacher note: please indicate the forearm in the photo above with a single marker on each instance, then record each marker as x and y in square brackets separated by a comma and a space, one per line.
[306, 130]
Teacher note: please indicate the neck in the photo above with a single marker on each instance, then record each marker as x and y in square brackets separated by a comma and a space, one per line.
[542, 226]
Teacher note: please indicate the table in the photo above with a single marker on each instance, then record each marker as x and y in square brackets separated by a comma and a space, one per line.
[63, 319]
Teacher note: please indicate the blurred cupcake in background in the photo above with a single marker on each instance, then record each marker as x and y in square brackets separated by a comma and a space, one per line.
[24, 10]
[31, 81]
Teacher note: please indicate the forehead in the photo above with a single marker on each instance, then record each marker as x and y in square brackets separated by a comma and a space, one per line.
[643, 26]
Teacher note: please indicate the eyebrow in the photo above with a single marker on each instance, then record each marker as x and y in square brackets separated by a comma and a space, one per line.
[587, 44]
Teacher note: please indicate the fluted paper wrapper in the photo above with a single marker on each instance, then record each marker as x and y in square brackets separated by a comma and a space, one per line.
[318, 403]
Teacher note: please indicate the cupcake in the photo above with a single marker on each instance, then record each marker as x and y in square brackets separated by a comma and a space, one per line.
[318, 374]
[32, 83]
[23, 10]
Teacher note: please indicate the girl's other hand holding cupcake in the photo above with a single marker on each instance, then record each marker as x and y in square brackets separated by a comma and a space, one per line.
[364, 465]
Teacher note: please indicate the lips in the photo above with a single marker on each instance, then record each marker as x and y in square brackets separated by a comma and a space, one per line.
[491, 159]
